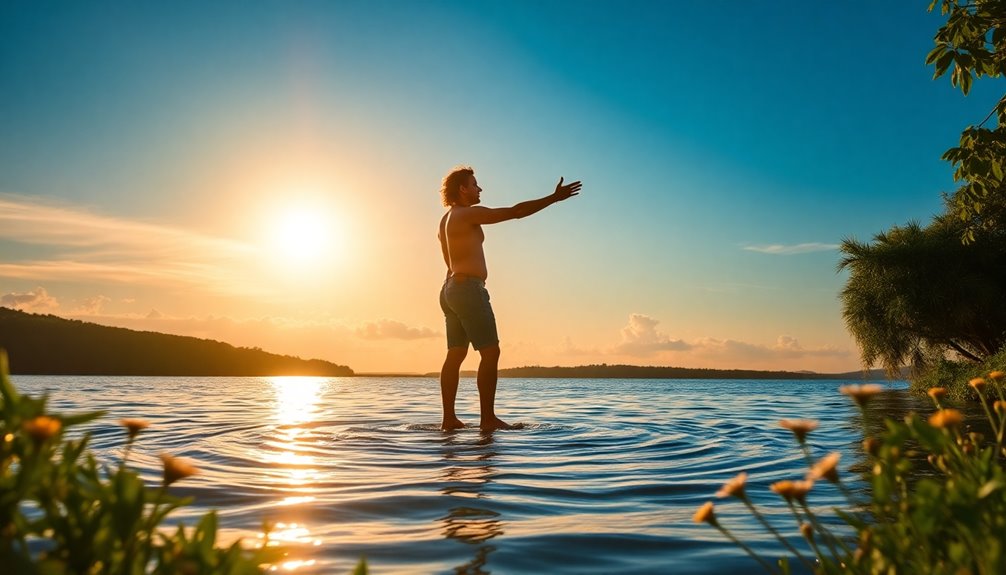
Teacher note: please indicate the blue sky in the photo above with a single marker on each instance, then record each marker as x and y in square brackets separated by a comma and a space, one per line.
[704, 133]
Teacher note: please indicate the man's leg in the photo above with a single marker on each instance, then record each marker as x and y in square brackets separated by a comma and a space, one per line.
[449, 375]
[486, 380]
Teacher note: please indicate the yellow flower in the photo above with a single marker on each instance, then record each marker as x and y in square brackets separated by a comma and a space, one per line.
[999, 406]
[978, 384]
[997, 375]
[134, 426]
[945, 418]
[827, 468]
[799, 427]
[734, 487]
[175, 469]
[790, 490]
[705, 514]
[42, 428]
[861, 393]
[937, 393]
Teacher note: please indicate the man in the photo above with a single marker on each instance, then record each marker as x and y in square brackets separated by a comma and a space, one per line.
[464, 298]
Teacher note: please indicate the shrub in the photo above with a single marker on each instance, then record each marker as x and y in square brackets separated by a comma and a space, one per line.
[937, 499]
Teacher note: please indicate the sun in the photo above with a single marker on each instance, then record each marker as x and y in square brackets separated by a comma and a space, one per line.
[302, 234]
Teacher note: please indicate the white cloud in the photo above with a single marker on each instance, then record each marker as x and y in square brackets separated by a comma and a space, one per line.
[640, 337]
[791, 249]
[36, 300]
[390, 329]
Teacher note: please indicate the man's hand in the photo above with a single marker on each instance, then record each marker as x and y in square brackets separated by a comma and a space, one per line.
[569, 190]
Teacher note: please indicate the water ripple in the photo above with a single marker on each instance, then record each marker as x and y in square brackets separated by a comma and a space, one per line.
[602, 477]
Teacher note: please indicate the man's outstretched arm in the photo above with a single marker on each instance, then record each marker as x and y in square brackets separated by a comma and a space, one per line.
[480, 215]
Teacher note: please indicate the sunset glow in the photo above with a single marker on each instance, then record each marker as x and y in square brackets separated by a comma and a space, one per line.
[284, 195]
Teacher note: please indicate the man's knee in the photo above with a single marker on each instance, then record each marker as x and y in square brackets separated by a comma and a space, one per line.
[456, 354]
[490, 352]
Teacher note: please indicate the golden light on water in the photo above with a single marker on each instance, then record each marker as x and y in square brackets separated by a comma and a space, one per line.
[295, 472]
[296, 398]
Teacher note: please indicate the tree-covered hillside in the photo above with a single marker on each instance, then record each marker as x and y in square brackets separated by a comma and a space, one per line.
[50, 345]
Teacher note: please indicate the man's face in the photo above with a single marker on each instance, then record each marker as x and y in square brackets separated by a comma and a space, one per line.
[470, 191]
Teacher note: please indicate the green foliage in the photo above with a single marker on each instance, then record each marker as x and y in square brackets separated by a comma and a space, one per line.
[955, 375]
[87, 518]
[916, 292]
[937, 498]
[972, 44]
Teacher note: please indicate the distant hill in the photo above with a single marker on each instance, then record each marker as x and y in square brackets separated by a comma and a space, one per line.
[48, 345]
[605, 371]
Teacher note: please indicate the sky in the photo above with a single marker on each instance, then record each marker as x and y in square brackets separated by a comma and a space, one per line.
[266, 173]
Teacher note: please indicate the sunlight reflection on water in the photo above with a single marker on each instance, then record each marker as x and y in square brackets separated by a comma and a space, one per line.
[603, 478]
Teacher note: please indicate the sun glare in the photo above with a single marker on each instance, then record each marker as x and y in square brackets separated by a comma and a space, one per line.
[302, 234]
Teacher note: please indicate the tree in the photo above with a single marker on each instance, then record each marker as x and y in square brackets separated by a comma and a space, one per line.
[918, 292]
[972, 44]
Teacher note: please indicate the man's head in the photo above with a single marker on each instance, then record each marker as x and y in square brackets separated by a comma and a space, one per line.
[460, 188]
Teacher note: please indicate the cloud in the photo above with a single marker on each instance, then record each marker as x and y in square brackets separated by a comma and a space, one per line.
[640, 337]
[786, 347]
[82, 244]
[91, 305]
[390, 329]
[35, 300]
[792, 249]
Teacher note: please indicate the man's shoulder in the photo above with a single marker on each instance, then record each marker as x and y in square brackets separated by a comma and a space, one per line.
[463, 212]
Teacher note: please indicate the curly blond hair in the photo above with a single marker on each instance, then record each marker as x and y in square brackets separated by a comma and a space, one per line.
[450, 189]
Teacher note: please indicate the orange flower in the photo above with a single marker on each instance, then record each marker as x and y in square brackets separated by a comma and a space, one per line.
[945, 418]
[175, 469]
[937, 393]
[134, 426]
[997, 375]
[871, 445]
[999, 406]
[799, 427]
[978, 384]
[807, 531]
[705, 514]
[790, 490]
[862, 394]
[734, 487]
[827, 468]
[42, 428]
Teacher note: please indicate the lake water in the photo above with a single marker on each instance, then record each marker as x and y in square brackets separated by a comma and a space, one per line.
[603, 478]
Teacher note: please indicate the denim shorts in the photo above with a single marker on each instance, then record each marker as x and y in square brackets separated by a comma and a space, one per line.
[469, 316]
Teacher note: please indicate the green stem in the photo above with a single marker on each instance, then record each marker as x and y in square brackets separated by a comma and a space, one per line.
[737, 542]
[763, 521]
[152, 525]
[825, 533]
[806, 454]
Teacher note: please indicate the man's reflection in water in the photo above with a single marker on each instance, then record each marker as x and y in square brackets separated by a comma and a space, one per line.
[468, 469]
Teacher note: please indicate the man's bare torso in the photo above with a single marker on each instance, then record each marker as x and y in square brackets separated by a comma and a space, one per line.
[461, 243]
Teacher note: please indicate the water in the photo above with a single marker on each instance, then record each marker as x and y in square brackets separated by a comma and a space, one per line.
[603, 478]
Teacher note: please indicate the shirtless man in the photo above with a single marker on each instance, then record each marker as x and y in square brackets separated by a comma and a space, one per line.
[464, 298]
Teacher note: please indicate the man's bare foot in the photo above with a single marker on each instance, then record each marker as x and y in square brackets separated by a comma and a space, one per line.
[494, 424]
[451, 424]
